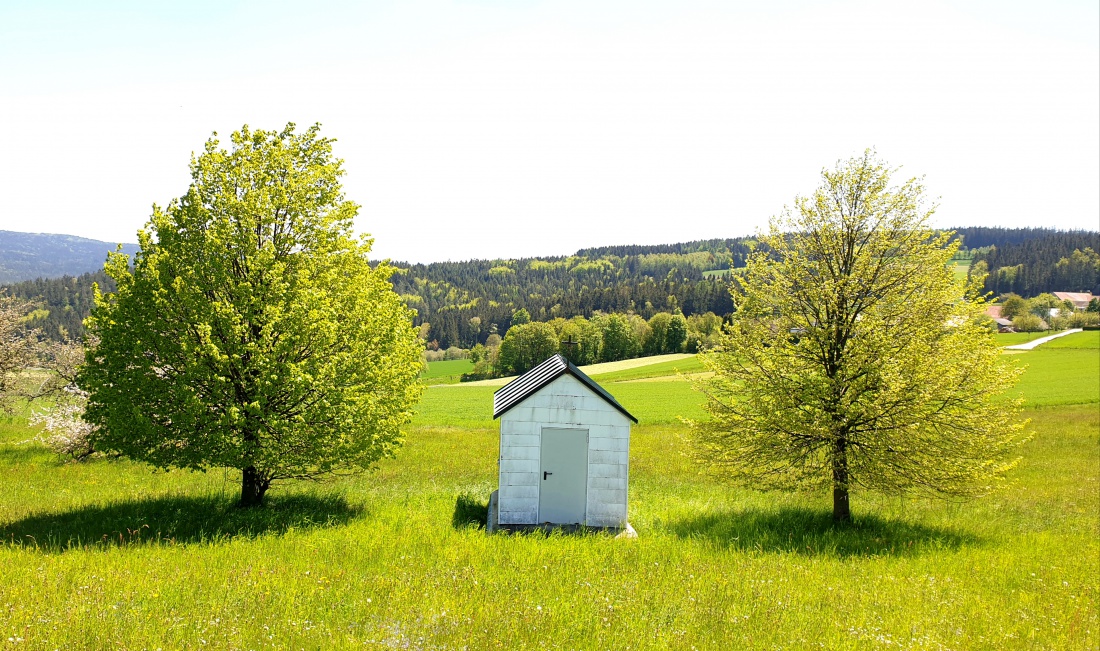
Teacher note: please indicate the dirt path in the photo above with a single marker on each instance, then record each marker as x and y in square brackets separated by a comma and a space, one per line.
[1042, 340]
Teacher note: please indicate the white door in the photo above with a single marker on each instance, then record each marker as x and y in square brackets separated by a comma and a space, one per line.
[563, 485]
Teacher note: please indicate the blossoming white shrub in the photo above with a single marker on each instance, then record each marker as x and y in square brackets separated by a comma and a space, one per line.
[64, 429]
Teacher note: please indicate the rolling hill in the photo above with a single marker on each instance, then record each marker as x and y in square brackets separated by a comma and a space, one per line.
[27, 256]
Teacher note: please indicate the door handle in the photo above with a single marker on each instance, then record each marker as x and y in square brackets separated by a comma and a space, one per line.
[545, 475]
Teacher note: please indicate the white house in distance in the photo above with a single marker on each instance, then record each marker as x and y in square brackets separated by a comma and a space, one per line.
[564, 451]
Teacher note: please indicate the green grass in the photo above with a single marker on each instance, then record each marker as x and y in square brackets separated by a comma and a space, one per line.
[1058, 376]
[111, 554]
[447, 371]
[1087, 340]
[1013, 338]
[456, 406]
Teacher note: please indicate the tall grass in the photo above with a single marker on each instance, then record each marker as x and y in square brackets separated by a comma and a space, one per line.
[111, 554]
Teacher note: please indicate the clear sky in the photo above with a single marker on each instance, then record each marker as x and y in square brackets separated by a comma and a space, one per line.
[497, 129]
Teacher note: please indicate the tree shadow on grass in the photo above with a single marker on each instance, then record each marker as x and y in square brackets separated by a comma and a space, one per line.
[813, 533]
[11, 455]
[177, 520]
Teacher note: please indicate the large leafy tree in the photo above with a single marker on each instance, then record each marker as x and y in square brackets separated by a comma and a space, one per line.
[657, 341]
[525, 346]
[619, 340]
[677, 334]
[580, 341]
[854, 357]
[251, 331]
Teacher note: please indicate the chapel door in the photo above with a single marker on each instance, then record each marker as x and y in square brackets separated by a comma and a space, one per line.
[563, 477]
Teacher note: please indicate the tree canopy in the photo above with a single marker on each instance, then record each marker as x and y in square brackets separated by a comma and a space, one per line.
[525, 346]
[855, 358]
[252, 332]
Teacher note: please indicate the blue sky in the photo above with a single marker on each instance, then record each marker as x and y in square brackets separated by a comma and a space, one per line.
[508, 129]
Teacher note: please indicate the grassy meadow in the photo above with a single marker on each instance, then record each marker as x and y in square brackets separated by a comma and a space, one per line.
[446, 371]
[109, 553]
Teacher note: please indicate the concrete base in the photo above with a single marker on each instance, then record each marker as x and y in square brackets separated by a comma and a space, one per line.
[494, 512]
[493, 525]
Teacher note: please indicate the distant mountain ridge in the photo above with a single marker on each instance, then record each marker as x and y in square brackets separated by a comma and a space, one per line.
[28, 256]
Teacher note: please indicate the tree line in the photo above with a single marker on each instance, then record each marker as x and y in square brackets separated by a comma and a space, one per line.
[62, 303]
[462, 304]
[603, 338]
[1045, 261]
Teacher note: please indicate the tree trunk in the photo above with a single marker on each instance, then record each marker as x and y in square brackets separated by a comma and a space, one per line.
[253, 488]
[841, 510]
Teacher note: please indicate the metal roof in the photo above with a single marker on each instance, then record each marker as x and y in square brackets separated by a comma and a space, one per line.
[517, 390]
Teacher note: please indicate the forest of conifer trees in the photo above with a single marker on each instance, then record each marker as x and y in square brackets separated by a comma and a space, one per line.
[464, 303]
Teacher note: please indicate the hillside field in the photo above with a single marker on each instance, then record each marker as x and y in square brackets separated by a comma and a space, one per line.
[446, 371]
[109, 553]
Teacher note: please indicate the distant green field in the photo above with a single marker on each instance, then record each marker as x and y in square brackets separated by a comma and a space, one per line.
[661, 369]
[960, 268]
[457, 405]
[1089, 340]
[713, 273]
[1065, 375]
[446, 371]
[1058, 376]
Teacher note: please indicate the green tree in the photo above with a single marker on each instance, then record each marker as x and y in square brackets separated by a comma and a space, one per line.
[676, 334]
[1042, 304]
[619, 340]
[1012, 305]
[1079, 272]
[521, 317]
[252, 332]
[580, 341]
[525, 346]
[656, 342]
[704, 331]
[855, 358]
[1028, 322]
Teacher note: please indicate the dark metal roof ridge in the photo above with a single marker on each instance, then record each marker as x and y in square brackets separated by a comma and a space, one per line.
[517, 390]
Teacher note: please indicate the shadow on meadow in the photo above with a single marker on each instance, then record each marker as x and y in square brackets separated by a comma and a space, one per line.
[470, 511]
[172, 521]
[813, 533]
[11, 455]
